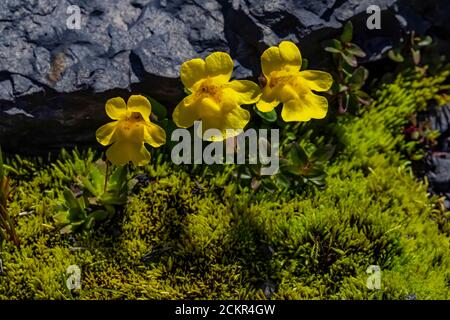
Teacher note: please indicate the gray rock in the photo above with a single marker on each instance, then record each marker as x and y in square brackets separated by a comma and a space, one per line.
[54, 81]
[438, 163]
[439, 174]
[439, 118]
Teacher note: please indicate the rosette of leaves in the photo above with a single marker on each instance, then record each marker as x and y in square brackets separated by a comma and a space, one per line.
[101, 192]
[412, 47]
[299, 167]
[105, 188]
[349, 76]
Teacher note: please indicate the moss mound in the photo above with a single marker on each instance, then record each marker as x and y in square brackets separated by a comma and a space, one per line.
[186, 236]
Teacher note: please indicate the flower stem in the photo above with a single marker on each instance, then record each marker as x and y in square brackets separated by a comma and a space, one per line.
[106, 175]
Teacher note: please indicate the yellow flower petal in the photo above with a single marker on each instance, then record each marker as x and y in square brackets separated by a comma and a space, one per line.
[139, 104]
[116, 108]
[130, 131]
[230, 124]
[142, 157]
[229, 100]
[291, 55]
[286, 93]
[237, 118]
[117, 154]
[246, 91]
[271, 61]
[122, 152]
[317, 80]
[309, 106]
[269, 99]
[154, 135]
[192, 71]
[184, 116]
[286, 56]
[212, 123]
[208, 124]
[209, 108]
[220, 66]
[264, 105]
[106, 134]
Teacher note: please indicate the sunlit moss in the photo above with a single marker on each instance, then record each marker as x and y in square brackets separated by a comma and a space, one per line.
[184, 236]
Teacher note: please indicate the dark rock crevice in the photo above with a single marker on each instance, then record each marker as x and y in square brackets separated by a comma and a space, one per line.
[59, 79]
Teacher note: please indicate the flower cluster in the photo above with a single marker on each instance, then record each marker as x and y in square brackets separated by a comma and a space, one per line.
[217, 101]
[293, 88]
[130, 131]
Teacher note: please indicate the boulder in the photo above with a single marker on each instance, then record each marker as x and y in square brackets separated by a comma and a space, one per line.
[54, 80]
[437, 163]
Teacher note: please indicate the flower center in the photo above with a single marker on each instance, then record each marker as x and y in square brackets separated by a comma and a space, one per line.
[135, 117]
[281, 78]
[208, 89]
[130, 128]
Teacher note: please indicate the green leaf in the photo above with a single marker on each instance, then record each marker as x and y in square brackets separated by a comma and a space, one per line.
[356, 50]
[283, 181]
[346, 101]
[298, 155]
[75, 214]
[90, 187]
[61, 218]
[318, 181]
[350, 60]
[334, 44]
[417, 157]
[89, 224]
[425, 42]
[332, 50]
[82, 203]
[99, 215]
[66, 229]
[359, 77]
[395, 55]
[315, 171]
[341, 87]
[270, 116]
[295, 170]
[347, 33]
[110, 209]
[416, 56]
[323, 154]
[269, 185]
[353, 102]
[363, 97]
[9, 169]
[291, 136]
[70, 199]
[117, 189]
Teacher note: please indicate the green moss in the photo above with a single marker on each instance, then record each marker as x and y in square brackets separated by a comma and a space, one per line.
[184, 236]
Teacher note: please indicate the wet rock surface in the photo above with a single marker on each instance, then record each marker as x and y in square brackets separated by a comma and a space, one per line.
[54, 81]
[437, 164]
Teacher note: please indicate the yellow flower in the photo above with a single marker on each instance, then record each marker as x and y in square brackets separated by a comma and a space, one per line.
[130, 131]
[215, 99]
[293, 88]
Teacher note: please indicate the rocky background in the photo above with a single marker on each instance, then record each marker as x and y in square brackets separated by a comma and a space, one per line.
[54, 81]
[436, 166]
